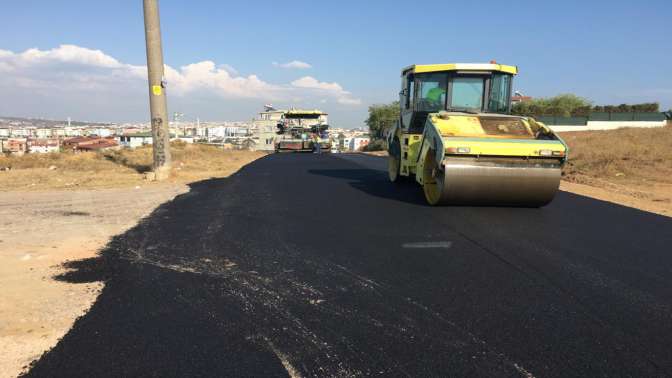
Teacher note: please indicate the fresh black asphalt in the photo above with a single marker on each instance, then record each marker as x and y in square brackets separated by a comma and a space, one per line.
[310, 265]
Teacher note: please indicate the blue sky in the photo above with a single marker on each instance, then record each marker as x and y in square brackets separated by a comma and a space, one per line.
[607, 51]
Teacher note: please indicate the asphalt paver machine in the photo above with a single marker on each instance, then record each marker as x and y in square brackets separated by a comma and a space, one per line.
[301, 131]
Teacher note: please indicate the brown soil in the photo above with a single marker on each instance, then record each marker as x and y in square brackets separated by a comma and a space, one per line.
[41, 231]
[625, 157]
[630, 167]
[654, 197]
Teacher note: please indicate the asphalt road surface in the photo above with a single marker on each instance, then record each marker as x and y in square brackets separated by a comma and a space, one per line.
[308, 265]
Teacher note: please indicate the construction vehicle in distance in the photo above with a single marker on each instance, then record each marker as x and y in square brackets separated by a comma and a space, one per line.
[301, 131]
[456, 137]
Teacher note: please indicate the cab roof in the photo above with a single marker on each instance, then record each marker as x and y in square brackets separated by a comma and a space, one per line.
[494, 67]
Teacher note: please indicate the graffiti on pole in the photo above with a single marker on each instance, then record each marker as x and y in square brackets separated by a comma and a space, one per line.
[159, 142]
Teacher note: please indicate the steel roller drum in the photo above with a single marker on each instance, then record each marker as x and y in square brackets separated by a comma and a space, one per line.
[501, 182]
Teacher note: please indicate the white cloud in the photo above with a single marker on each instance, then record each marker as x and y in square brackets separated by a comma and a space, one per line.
[77, 78]
[65, 54]
[297, 64]
[349, 101]
[311, 82]
[206, 76]
[334, 89]
[229, 69]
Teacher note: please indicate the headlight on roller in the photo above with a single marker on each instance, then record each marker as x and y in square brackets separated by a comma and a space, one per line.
[551, 153]
[458, 150]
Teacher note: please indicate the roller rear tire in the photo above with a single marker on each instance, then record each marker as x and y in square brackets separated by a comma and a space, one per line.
[394, 161]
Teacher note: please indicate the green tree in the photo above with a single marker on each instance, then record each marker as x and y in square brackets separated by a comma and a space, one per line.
[650, 107]
[340, 138]
[382, 118]
[564, 105]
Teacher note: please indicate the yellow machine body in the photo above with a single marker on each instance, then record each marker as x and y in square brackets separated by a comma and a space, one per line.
[472, 155]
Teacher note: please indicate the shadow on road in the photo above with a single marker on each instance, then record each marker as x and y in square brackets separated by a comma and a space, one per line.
[375, 183]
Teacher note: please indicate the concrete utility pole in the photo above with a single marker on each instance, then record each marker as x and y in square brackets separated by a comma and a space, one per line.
[157, 91]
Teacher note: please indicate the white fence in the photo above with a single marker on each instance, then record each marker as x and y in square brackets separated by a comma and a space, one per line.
[608, 125]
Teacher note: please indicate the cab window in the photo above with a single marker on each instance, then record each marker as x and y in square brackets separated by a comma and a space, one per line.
[500, 91]
[467, 93]
[431, 92]
[410, 91]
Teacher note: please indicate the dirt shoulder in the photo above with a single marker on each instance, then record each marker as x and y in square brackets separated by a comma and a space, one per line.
[656, 200]
[116, 169]
[47, 224]
[41, 231]
[631, 167]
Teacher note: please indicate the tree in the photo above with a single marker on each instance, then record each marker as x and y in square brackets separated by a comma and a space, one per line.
[381, 119]
[567, 105]
[564, 105]
[340, 138]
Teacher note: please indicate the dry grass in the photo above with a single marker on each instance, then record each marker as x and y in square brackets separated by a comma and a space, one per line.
[95, 170]
[625, 156]
[632, 167]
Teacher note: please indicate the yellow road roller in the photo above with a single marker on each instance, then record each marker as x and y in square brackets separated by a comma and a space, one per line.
[456, 137]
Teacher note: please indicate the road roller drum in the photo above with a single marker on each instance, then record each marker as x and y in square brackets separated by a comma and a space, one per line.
[463, 181]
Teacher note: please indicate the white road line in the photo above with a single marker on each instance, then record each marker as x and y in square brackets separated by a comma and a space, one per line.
[426, 245]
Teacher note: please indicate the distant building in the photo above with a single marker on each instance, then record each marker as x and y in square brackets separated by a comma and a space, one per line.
[264, 129]
[100, 131]
[131, 130]
[346, 143]
[22, 132]
[135, 140]
[101, 145]
[73, 132]
[358, 143]
[43, 133]
[520, 98]
[43, 146]
[16, 146]
[78, 144]
[214, 132]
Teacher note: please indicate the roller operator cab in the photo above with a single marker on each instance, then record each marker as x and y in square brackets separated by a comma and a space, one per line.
[455, 137]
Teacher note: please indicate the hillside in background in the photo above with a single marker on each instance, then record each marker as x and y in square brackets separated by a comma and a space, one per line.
[44, 123]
